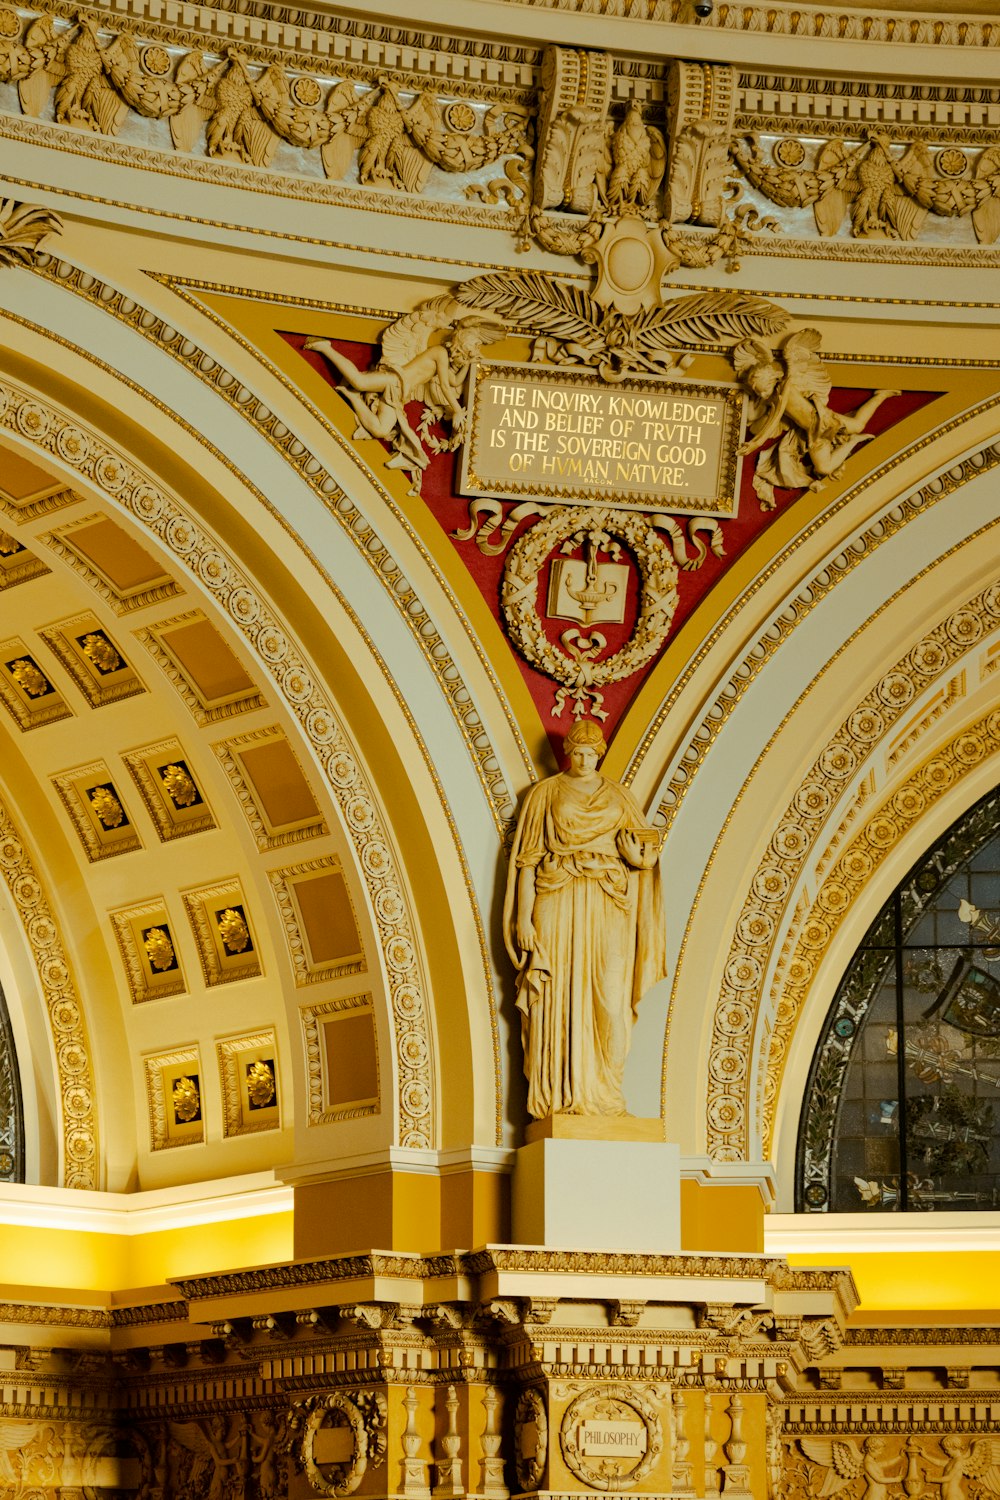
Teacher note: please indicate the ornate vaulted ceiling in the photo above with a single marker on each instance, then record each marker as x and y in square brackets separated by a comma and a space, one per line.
[266, 714]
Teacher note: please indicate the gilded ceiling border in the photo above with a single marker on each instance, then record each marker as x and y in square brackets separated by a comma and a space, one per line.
[873, 844]
[124, 484]
[812, 22]
[799, 20]
[78, 1114]
[772, 884]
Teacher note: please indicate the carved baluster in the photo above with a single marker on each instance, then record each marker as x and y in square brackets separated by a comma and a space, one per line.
[413, 1475]
[737, 1478]
[491, 1482]
[449, 1468]
[711, 1449]
[683, 1477]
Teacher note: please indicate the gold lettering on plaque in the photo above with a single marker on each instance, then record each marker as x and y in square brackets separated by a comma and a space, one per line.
[634, 443]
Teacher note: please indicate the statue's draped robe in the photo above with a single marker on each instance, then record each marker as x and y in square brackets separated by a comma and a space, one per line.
[599, 943]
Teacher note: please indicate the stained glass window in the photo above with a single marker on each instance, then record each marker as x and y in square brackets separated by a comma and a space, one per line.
[902, 1108]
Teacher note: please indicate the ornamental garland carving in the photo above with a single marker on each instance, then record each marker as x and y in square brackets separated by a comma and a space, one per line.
[884, 188]
[576, 667]
[363, 1414]
[242, 112]
[681, 169]
[623, 1406]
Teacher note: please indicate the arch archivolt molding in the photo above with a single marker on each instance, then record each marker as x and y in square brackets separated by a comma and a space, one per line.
[78, 1114]
[881, 529]
[874, 843]
[51, 431]
[400, 592]
[745, 1000]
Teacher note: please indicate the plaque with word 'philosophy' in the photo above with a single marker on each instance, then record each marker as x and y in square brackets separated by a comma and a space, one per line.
[639, 444]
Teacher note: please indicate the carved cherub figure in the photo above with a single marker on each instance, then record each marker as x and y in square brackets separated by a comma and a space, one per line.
[411, 368]
[789, 389]
[846, 1460]
[964, 1458]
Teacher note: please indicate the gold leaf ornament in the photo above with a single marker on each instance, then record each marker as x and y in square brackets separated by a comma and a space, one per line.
[260, 1084]
[186, 1100]
[159, 949]
[233, 930]
[179, 785]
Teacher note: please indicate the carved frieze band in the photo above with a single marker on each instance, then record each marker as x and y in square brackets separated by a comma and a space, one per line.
[380, 132]
[192, 549]
[854, 170]
[729, 1102]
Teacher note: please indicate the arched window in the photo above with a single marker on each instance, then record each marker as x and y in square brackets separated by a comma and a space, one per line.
[902, 1108]
[11, 1114]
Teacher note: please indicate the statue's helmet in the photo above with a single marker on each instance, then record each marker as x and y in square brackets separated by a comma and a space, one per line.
[585, 732]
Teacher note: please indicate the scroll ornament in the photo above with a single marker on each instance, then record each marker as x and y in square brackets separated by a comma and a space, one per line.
[884, 188]
[245, 112]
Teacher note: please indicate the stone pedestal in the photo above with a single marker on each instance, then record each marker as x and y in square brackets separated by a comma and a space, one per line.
[597, 1194]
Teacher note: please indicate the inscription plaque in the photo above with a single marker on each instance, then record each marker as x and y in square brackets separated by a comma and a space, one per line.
[606, 1439]
[639, 444]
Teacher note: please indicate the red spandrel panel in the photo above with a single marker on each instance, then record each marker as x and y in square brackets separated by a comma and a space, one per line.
[439, 495]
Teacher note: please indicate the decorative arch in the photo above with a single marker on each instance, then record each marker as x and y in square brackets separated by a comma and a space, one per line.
[938, 1053]
[802, 757]
[745, 1012]
[80, 1165]
[53, 433]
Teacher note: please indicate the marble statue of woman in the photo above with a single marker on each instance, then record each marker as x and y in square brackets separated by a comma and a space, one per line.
[584, 924]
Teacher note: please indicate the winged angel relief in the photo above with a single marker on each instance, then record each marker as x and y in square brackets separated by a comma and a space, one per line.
[789, 390]
[865, 1471]
[425, 355]
[411, 368]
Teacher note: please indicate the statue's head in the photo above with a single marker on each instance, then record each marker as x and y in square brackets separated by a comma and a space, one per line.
[584, 747]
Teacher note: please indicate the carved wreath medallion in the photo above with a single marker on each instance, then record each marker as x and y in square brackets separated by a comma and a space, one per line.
[610, 1411]
[578, 668]
[530, 1413]
[338, 1478]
